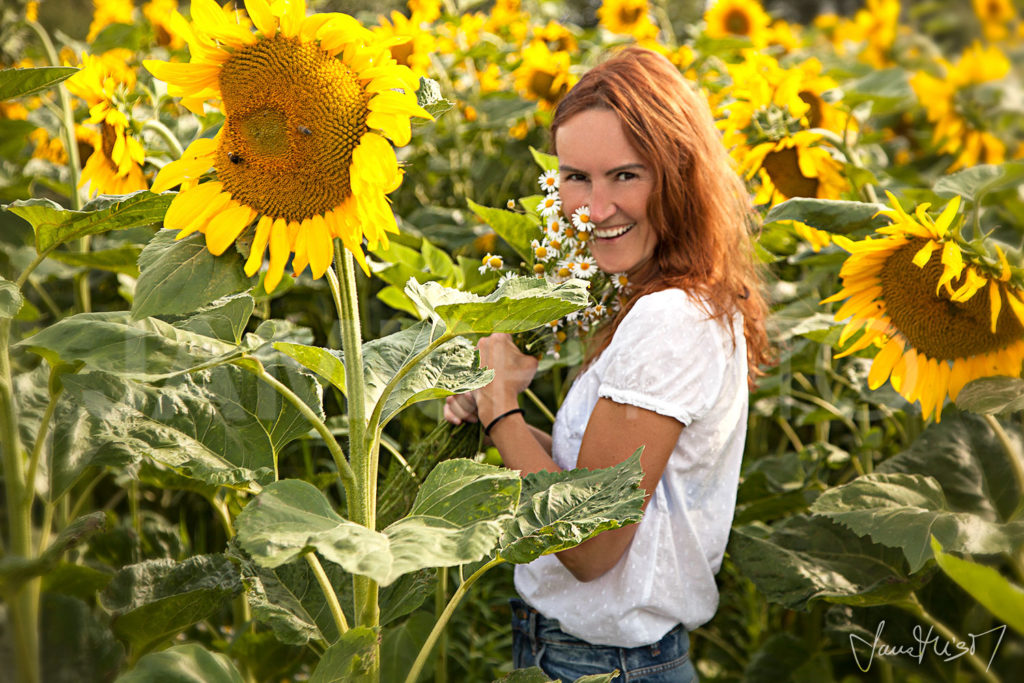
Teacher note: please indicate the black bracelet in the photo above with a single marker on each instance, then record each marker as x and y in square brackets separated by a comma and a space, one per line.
[488, 428]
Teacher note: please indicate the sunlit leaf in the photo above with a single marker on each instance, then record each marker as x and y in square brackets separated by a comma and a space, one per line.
[834, 215]
[10, 299]
[181, 276]
[975, 182]
[517, 229]
[189, 663]
[224, 320]
[21, 82]
[347, 659]
[986, 585]
[992, 395]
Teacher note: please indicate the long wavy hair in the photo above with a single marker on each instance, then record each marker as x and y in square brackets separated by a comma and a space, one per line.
[698, 207]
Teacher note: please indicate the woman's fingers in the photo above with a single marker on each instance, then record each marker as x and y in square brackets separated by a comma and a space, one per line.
[460, 408]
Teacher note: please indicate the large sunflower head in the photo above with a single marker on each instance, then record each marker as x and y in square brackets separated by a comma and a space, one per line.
[795, 166]
[630, 17]
[940, 312]
[107, 12]
[738, 19]
[310, 103]
[996, 16]
[543, 75]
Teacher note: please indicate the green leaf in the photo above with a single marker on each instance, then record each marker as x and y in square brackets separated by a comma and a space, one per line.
[114, 342]
[401, 645]
[805, 559]
[55, 225]
[15, 571]
[437, 260]
[532, 675]
[10, 299]
[76, 580]
[1000, 597]
[834, 215]
[120, 260]
[560, 510]
[224, 427]
[224, 320]
[786, 657]
[517, 229]
[887, 89]
[905, 510]
[155, 600]
[180, 276]
[347, 659]
[291, 517]
[518, 305]
[76, 641]
[992, 396]
[428, 96]
[548, 162]
[21, 82]
[325, 362]
[183, 664]
[975, 182]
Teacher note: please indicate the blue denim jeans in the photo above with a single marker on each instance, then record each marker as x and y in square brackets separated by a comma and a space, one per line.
[537, 641]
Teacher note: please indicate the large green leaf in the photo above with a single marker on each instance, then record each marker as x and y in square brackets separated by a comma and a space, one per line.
[548, 162]
[15, 571]
[180, 276]
[291, 517]
[348, 659]
[905, 510]
[834, 215]
[975, 182]
[888, 90]
[55, 225]
[76, 640]
[965, 455]
[1000, 597]
[113, 342]
[804, 559]
[560, 510]
[224, 427]
[10, 299]
[520, 304]
[517, 229]
[992, 395]
[155, 600]
[401, 645]
[118, 260]
[224, 320]
[21, 82]
[189, 663]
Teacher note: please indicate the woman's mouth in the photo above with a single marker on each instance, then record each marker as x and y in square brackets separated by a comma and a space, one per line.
[612, 233]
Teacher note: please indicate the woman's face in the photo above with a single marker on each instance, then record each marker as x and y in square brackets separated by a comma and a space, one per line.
[599, 168]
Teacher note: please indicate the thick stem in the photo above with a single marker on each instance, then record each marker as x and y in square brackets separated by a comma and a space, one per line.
[325, 585]
[442, 621]
[918, 610]
[440, 599]
[23, 607]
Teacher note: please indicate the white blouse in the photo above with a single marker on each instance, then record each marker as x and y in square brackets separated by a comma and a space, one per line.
[668, 357]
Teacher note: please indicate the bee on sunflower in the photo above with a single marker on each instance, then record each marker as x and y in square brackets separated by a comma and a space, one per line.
[940, 312]
[312, 105]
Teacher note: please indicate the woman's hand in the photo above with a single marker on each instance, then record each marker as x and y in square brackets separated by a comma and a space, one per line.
[513, 372]
[460, 408]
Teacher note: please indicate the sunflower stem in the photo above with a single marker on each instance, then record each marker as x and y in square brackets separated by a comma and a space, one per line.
[325, 585]
[442, 621]
[1013, 456]
[166, 135]
[540, 405]
[362, 503]
[917, 609]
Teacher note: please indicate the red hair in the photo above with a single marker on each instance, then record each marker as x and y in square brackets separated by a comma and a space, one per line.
[699, 208]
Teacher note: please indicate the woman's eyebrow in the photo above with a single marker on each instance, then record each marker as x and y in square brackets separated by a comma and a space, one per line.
[565, 168]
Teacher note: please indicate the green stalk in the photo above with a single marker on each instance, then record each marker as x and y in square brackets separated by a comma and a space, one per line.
[1013, 456]
[440, 598]
[540, 405]
[325, 585]
[442, 621]
[166, 135]
[362, 500]
[23, 606]
[917, 609]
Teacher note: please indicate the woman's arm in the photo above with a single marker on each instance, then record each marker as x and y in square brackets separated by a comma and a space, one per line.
[614, 431]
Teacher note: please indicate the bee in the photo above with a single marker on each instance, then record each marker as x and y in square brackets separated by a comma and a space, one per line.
[305, 131]
[234, 158]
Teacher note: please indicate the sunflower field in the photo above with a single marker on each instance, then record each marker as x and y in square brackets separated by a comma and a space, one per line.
[246, 249]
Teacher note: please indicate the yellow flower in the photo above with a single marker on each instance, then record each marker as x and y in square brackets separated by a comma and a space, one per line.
[630, 17]
[794, 167]
[45, 147]
[309, 105]
[32, 10]
[877, 25]
[426, 11]
[738, 19]
[543, 75]
[109, 12]
[410, 44]
[159, 13]
[935, 311]
[947, 103]
[995, 17]
[558, 37]
[818, 239]
[507, 16]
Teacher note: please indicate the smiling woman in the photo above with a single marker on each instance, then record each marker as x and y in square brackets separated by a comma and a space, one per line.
[669, 373]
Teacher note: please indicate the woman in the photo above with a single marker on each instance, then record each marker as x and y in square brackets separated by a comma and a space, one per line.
[638, 145]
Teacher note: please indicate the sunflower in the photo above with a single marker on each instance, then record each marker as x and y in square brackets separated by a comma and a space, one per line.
[107, 12]
[308, 105]
[795, 166]
[543, 75]
[995, 17]
[115, 165]
[940, 313]
[630, 17]
[738, 19]
[411, 44]
[877, 26]
[159, 13]
[949, 104]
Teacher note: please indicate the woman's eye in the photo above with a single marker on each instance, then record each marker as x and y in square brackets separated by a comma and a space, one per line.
[625, 175]
[575, 177]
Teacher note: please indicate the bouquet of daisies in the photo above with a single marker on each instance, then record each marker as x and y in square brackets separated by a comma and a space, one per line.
[558, 249]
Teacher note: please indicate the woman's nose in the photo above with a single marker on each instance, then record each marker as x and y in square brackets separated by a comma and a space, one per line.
[602, 206]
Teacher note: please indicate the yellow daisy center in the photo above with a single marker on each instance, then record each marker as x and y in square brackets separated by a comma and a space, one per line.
[294, 116]
[940, 328]
[784, 169]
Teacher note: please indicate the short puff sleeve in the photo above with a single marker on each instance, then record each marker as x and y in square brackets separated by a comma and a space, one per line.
[666, 356]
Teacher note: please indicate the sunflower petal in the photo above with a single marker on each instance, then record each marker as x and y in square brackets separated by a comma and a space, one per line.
[279, 250]
[189, 203]
[319, 246]
[262, 17]
[227, 226]
[259, 245]
[995, 304]
[883, 363]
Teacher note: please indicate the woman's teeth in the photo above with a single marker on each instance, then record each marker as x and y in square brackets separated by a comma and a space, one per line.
[610, 233]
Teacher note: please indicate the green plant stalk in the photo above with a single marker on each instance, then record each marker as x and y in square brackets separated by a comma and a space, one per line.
[1013, 456]
[913, 606]
[362, 503]
[440, 598]
[23, 606]
[325, 585]
[166, 135]
[442, 621]
[540, 405]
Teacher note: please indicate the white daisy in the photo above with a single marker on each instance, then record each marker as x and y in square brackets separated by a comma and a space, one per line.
[584, 267]
[565, 268]
[491, 262]
[505, 277]
[510, 204]
[549, 181]
[555, 227]
[620, 281]
[549, 206]
[581, 219]
[542, 251]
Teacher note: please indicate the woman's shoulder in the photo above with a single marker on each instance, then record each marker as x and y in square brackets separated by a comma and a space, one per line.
[671, 304]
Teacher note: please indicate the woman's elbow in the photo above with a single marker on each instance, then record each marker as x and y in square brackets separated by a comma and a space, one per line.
[584, 571]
